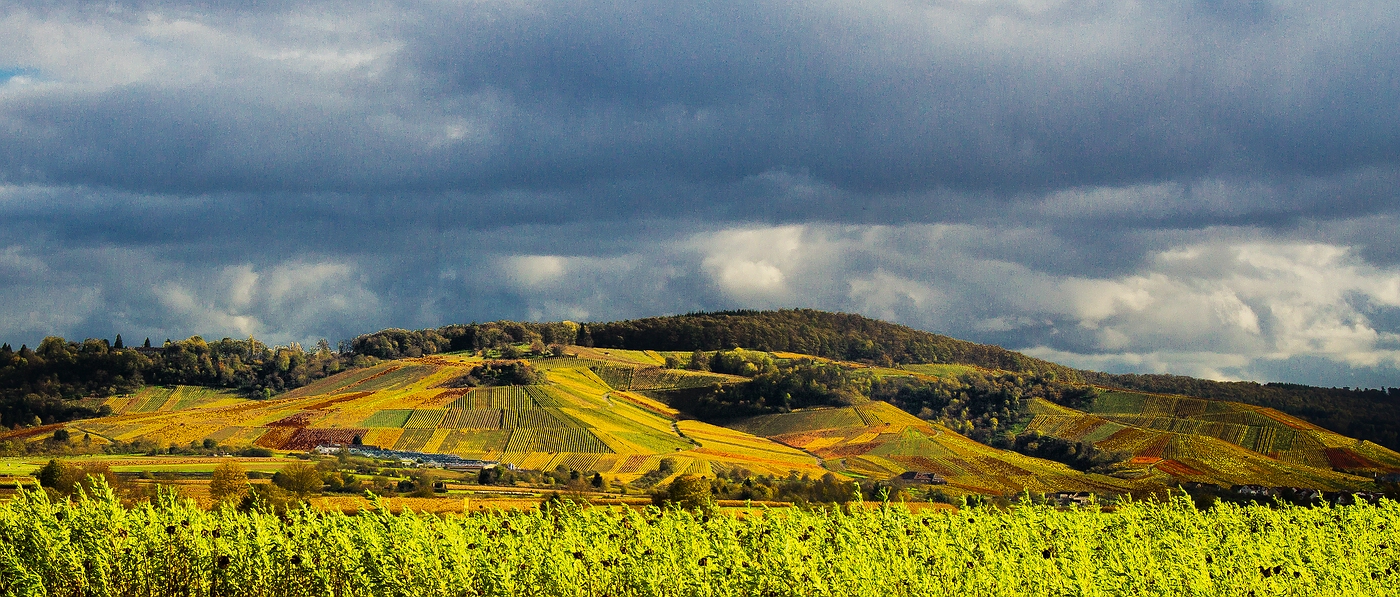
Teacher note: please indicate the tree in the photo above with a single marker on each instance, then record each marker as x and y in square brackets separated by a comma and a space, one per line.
[65, 478]
[50, 474]
[688, 492]
[698, 361]
[147, 344]
[489, 476]
[118, 344]
[301, 479]
[229, 483]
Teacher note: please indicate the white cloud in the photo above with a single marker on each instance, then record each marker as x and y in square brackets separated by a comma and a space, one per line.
[287, 302]
[753, 264]
[534, 271]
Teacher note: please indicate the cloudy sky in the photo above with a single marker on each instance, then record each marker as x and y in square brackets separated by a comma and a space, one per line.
[1204, 187]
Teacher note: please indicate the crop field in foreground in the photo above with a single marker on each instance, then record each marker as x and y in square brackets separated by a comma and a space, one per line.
[96, 547]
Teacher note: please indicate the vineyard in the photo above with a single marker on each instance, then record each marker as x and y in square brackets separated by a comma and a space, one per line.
[1191, 439]
[172, 398]
[616, 412]
[95, 547]
[637, 378]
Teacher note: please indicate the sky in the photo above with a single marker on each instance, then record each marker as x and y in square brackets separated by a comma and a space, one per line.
[1198, 187]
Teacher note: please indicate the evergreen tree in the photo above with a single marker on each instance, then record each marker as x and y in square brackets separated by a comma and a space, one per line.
[118, 344]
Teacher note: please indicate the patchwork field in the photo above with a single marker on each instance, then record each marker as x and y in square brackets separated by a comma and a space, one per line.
[878, 440]
[1175, 438]
[576, 419]
[605, 410]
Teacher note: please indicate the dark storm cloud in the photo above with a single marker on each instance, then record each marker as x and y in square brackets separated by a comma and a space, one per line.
[879, 98]
[1202, 187]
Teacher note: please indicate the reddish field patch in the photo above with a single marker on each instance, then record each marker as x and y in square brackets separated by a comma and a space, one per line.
[337, 400]
[306, 439]
[1177, 468]
[300, 419]
[1342, 458]
[633, 464]
[848, 449]
[275, 437]
[1157, 448]
[31, 432]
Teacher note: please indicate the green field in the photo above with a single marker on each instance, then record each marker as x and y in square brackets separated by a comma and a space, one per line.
[23, 466]
[98, 548]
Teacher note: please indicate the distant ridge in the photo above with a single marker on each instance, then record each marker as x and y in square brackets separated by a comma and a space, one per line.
[843, 336]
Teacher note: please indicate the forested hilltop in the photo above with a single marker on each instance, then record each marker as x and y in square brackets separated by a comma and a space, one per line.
[841, 336]
[52, 383]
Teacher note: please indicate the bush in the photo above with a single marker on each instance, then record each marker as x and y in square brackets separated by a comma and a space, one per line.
[687, 492]
[300, 479]
[229, 483]
[66, 479]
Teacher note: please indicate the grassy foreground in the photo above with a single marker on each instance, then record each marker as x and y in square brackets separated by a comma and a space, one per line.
[94, 546]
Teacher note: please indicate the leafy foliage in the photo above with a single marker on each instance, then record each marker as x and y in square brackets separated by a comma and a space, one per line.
[397, 343]
[98, 548]
[988, 407]
[1078, 455]
[498, 373]
[800, 384]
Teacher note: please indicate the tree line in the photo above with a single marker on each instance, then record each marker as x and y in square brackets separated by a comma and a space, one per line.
[47, 384]
[842, 336]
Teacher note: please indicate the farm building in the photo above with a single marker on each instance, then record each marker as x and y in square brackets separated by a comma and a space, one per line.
[923, 477]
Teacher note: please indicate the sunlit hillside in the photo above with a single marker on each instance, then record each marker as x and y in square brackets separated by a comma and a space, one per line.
[622, 413]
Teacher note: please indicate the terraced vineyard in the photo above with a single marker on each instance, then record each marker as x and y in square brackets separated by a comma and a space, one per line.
[1182, 439]
[170, 398]
[607, 411]
[636, 378]
[878, 440]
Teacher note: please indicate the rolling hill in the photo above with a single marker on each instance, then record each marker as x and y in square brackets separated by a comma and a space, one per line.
[621, 411]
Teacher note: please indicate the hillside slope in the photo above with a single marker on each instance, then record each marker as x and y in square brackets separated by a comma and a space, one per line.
[1173, 440]
[877, 440]
[573, 419]
[624, 413]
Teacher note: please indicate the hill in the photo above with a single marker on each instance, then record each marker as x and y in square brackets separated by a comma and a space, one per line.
[63, 380]
[572, 419]
[1175, 439]
[870, 401]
